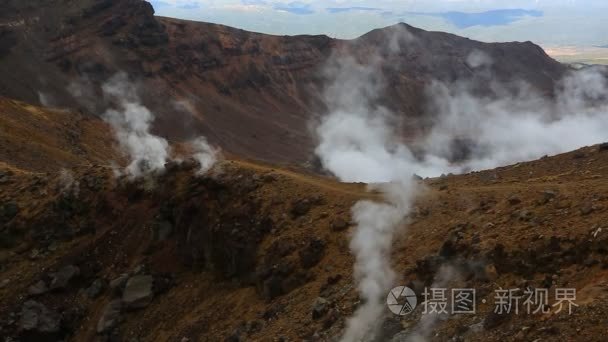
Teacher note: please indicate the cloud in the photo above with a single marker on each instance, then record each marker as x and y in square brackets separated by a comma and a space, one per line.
[159, 4]
[241, 8]
[190, 6]
[334, 10]
[254, 2]
[561, 22]
[489, 18]
[463, 20]
[299, 8]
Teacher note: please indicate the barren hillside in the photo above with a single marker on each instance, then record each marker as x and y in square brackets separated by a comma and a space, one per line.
[253, 94]
[157, 182]
[254, 252]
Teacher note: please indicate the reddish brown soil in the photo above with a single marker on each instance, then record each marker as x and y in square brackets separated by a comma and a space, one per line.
[237, 223]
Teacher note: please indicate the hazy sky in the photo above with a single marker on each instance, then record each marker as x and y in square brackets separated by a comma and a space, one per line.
[547, 22]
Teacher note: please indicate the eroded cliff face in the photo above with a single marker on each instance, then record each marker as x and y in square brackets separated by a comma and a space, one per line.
[253, 94]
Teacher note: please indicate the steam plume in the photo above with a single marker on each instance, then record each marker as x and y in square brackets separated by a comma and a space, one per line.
[205, 154]
[131, 122]
[356, 142]
[357, 133]
[518, 125]
[67, 183]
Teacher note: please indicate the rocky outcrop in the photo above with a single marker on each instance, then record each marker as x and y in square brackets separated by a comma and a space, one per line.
[224, 241]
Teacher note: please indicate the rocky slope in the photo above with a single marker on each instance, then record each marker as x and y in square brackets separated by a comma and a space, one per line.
[255, 252]
[252, 94]
[36, 139]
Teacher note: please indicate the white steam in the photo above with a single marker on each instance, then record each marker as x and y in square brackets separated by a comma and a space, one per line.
[205, 154]
[446, 275]
[357, 141]
[68, 185]
[132, 122]
[371, 243]
[45, 99]
[358, 132]
[477, 59]
[518, 126]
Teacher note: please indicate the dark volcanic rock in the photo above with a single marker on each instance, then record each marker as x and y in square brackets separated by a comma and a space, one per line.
[110, 317]
[39, 322]
[514, 200]
[112, 25]
[138, 291]
[312, 253]
[38, 288]
[96, 288]
[319, 308]
[300, 207]
[493, 320]
[117, 285]
[8, 211]
[161, 230]
[8, 39]
[98, 7]
[587, 209]
[339, 224]
[224, 242]
[62, 278]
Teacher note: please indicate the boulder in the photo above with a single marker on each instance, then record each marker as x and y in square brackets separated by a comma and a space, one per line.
[162, 230]
[38, 288]
[548, 196]
[300, 208]
[319, 308]
[118, 284]
[39, 322]
[138, 292]
[8, 211]
[312, 253]
[339, 224]
[8, 39]
[586, 209]
[514, 200]
[62, 278]
[110, 317]
[95, 289]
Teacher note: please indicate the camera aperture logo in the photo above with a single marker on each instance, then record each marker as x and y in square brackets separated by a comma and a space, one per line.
[401, 300]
